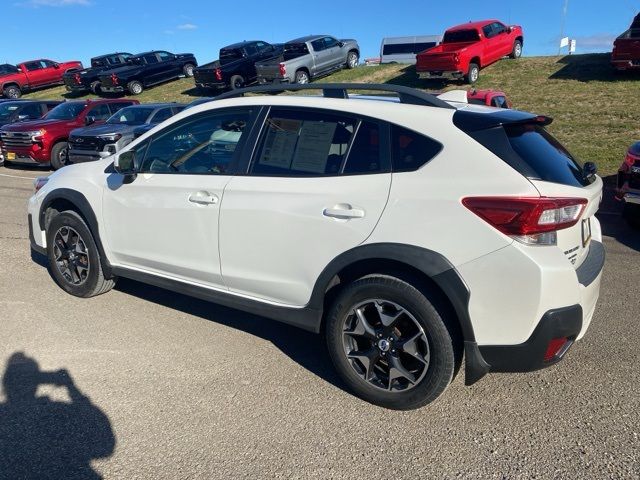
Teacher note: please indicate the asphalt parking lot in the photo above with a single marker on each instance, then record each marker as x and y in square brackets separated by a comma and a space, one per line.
[159, 385]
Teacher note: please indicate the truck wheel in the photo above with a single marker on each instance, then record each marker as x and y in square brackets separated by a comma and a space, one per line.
[236, 82]
[188, 69]
[352, 59]
[473, 74]
[517, 49]
[12, 91]
[135, 87]
[389, 343]
[74, 259]
[95, 87]
[59, 154]
[301, 77]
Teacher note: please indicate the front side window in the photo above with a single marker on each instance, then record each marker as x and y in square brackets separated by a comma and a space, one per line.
[161, 115]
[411, 150]
[47, 63]
[330, 42]
[165, 56]
[318, 45]
[297, 143]
[131, 116]
[100, 112]
[488, 31]
[204, 143]
[150, 59]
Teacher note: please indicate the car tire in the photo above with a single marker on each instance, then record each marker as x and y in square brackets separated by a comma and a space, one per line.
[405, 373]
[95, 88]
[301, 77]
[516, 52]
[188, 69]
[473, 74]
[74, 262]
[12, 91]
[135, 87]
[59, 154]
[631, 213]
[352, 59]
[236, 82]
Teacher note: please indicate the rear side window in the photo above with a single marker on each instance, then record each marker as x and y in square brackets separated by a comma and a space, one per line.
[460, 36]
[411, 150]
[298, 144]
[547, 159]
[162, 115]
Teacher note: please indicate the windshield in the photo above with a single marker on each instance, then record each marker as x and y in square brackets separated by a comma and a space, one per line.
[457, 36]
[66, 111]
[228, 55]
[7, 110]
[131, 116]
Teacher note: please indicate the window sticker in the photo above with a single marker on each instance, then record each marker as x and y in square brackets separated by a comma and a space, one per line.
[313, 148]
[280, 144]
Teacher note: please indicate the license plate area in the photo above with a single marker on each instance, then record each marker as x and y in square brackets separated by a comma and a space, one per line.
[11, 156]
[586, 231]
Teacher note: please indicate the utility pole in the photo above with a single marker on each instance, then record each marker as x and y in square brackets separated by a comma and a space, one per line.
[562, 22]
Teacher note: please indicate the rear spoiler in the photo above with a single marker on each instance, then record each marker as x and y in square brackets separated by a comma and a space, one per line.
[469, 121]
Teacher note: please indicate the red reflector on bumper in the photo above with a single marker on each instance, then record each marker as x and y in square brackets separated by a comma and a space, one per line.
[556, 345]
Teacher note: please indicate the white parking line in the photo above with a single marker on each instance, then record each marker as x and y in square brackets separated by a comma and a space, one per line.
[14, 176]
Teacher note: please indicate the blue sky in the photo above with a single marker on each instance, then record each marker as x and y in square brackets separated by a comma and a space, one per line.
[78, 29]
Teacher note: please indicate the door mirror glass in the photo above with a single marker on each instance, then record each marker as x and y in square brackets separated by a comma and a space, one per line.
[56, 65]
[89, 120]
[23, 117]
[125, 163]
[341, 44]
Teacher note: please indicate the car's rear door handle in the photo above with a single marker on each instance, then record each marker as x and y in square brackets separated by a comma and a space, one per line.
[203, 198]
[343, 211]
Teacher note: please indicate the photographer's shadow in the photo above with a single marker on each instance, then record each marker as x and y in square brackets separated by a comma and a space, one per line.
[41, 438]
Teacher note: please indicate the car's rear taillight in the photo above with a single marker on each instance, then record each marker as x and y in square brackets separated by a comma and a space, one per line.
[283, 69]
[114, 79]
[556, 348]
[218, 74]
[77, 78]
[631, 159]
[533, 221]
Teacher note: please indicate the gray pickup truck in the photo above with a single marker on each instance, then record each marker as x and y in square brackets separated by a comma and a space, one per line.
[306, 58]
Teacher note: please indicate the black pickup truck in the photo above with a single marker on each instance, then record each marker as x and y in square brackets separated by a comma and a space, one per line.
[85, 80]
[145, 70]
[236, 66]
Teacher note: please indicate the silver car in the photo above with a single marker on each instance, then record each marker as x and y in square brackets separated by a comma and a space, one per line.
[95, 142]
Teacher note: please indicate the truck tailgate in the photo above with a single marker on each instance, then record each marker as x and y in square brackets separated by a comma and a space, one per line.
[269, 69]
[441, 57]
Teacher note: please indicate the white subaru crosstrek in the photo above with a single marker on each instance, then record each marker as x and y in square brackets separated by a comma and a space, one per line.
[408, 229]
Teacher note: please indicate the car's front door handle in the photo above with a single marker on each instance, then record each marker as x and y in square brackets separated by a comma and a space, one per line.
[203, 198]
[343, 211]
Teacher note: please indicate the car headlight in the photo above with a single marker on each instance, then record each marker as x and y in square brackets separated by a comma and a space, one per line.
[111, 138]
[37, 135]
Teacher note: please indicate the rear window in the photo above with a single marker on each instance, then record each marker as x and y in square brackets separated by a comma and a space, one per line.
[228, 55]
[456, 36]
[546, 158]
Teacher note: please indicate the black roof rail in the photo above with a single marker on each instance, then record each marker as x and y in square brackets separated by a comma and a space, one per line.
[340, 90]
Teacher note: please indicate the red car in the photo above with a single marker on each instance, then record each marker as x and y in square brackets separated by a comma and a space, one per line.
[16, 79]
[44, 141]
[628, 185]
[492, 98]
[626, 48]
[467, 48]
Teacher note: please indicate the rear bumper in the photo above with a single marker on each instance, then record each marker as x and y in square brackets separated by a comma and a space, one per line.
[529, 356]
[626, 64]
[265, 81]
[76, 88]
[441, 74]
[117, 89]
[213, 85]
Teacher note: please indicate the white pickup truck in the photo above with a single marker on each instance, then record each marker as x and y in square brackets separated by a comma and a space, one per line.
[306, 58]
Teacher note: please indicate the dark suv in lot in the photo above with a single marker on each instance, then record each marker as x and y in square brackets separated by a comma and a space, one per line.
[145, 70]
[86, 80]
[235, 67]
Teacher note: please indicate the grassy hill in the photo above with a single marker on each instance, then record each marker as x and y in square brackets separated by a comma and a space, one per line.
[595, 110]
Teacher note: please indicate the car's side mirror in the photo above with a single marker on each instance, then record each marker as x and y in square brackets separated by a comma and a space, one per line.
[56, 65]
[89, 120]
[19, 69]
[23, 117]
[341, 44]
[509, 29]
[125, 165]
[589, 169]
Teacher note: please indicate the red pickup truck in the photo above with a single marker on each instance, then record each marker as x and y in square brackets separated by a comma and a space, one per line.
[15, 79]
[44, 141]
[626, 48]
[467, 48]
